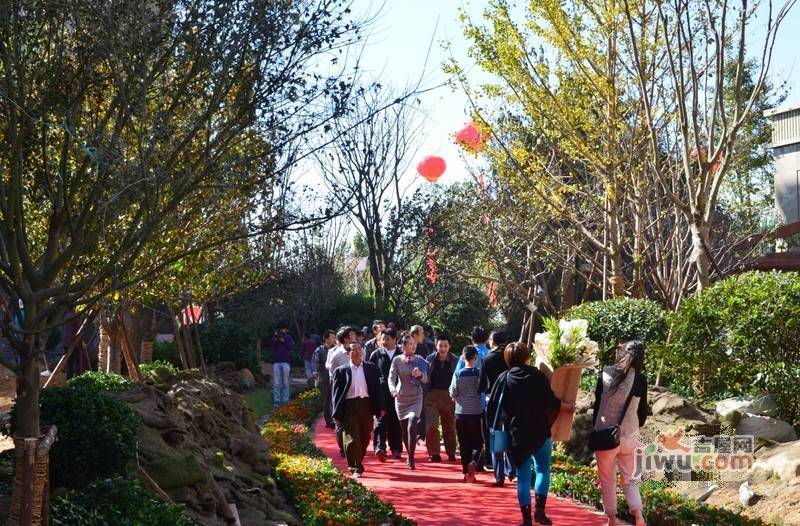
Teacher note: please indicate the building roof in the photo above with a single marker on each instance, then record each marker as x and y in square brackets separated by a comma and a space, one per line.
[782, 109]
[785, 125]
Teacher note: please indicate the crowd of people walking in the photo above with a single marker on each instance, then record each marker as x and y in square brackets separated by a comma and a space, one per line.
[489, 405]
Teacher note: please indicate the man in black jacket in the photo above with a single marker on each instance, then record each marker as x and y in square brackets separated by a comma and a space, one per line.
[356, 398]
[438, 404]
[387, 428]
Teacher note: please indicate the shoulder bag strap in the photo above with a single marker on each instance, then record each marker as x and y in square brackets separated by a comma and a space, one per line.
[597, 402]
[499, 403]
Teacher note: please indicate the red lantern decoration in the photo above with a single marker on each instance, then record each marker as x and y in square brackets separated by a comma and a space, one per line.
[471, 138]
[431, 167]
[433, 271]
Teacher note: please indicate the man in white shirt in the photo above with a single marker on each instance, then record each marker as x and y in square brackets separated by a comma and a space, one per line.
[355, 401]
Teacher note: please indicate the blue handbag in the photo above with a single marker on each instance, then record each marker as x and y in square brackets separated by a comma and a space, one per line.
[499, 440]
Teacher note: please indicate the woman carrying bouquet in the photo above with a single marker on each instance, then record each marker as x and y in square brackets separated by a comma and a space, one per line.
[406, 375]
[621, 400]
[530, 408]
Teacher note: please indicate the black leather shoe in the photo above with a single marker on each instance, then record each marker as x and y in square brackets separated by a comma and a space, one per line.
[436, 458]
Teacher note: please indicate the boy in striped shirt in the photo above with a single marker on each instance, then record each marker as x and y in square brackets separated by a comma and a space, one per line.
[469, 407]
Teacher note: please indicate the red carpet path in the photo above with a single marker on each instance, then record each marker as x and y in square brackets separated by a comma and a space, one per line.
[434, 494]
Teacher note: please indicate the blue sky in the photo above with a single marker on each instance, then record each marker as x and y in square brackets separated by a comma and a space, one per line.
[399, 41]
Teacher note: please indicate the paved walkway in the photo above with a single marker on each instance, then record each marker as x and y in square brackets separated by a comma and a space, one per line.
[435, 495]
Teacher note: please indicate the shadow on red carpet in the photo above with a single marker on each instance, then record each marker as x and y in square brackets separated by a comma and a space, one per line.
[435, 495]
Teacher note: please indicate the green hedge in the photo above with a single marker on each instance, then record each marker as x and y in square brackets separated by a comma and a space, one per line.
[621, 319]
[159, 371]
[96, 433]
[740, 336]
[662, 506]
[117, 501]
[97, 382]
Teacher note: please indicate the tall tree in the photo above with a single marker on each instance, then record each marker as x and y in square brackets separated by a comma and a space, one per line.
[563, 79]
[373, 148]
[682, 54]
[119, 119]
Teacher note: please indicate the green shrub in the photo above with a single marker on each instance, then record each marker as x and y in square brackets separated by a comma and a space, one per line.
[117, 501]
[96, 382]
[166, 352]
[621, 319]
[740, 337]
[227, 341]
[96, 434]
[159, 371]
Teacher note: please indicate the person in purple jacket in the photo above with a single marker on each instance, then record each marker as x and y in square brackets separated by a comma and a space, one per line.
[282, 345]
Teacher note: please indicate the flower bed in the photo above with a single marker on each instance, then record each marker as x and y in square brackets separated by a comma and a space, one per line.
[662, 506]
[321, 493]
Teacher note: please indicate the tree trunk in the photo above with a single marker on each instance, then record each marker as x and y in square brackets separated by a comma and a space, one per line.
[700, 240]
[28, 427]
[617, 278]
[104, 349]
[638, 290]
[567, 287]
[27, 403]
[176, 331]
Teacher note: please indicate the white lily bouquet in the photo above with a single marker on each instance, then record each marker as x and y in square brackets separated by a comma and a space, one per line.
[565, 342]
[562, 352]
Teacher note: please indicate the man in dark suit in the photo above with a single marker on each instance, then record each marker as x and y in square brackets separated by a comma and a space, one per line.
[356, 399]
[388, 427]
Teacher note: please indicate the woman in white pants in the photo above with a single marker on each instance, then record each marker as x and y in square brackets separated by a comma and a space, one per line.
[615, 386]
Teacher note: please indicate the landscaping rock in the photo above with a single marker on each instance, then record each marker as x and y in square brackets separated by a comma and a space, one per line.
[676, 406]
[200, 444]
[763, 405]
[246, 379]
[746, 496]
[766, 428]
[782, 460]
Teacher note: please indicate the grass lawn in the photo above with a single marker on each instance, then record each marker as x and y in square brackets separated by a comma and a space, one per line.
[260, 401]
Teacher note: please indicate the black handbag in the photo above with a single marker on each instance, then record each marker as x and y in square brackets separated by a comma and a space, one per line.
[605, 439]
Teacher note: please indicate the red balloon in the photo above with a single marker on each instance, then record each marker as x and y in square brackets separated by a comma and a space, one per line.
[431, 167]
[471, 138]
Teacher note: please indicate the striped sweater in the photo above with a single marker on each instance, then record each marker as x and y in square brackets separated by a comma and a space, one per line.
[464, 389]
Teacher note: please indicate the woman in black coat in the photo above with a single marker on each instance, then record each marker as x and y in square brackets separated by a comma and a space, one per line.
[530, 407]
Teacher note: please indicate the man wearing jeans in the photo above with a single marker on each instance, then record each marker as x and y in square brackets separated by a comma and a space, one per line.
[282, 345]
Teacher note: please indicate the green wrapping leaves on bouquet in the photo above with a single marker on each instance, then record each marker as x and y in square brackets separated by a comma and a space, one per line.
[565, 342]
